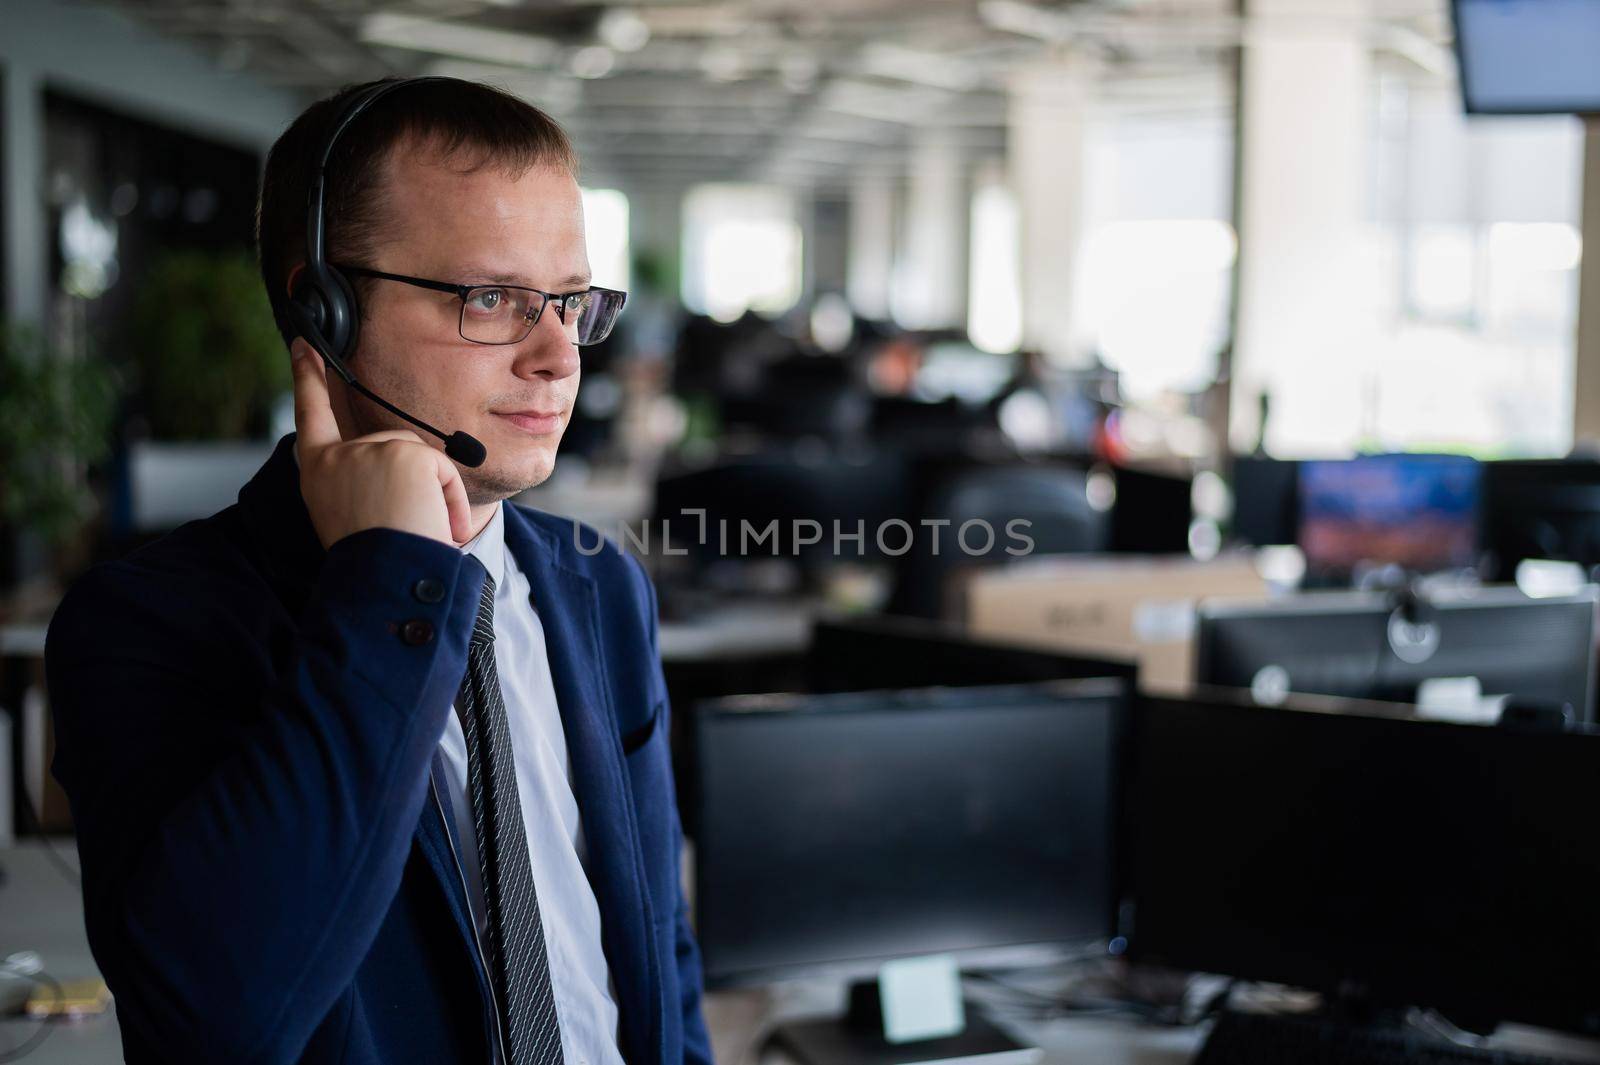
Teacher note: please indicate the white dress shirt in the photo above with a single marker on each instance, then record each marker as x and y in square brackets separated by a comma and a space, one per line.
[579, 975]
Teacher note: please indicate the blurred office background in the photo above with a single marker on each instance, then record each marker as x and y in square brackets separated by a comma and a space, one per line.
[1225, 300]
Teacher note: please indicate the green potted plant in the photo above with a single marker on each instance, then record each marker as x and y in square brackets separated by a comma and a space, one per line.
[210, 360]
[210, 366]
[55, 419]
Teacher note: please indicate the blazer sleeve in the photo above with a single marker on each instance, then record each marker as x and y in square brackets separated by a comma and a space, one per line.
[241, 849]
[696, 1038]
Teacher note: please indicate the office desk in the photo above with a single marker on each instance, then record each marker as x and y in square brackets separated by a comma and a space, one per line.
[740, 1019]
[41, 911]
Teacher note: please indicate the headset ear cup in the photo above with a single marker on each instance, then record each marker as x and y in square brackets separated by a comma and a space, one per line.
[348, 314]
[327, 301]
[305, 309]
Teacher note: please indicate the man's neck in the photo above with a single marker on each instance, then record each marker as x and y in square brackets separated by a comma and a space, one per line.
[480, 518]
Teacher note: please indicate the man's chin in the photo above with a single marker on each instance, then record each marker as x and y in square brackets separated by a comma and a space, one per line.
[493, 481]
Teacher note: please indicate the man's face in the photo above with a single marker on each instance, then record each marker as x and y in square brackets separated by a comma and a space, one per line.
[474, 227]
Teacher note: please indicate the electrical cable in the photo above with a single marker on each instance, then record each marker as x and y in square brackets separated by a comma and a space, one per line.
[25, 966]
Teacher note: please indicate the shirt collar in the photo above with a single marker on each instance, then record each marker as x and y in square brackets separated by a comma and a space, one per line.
[489, 546]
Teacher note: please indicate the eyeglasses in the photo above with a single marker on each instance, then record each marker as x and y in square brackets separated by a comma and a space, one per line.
[506, 314]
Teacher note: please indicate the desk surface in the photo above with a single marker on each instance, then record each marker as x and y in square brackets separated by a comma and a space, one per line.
[40, 910]
[739, 1021]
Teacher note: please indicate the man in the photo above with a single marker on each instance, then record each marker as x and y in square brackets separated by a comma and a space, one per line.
[372, 766]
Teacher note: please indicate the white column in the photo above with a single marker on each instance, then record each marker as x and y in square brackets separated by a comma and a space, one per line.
[994, 295]
[1046, 123]
[805, 216]
[27, 245]
[1586, 359]
[828, 243]
[871, 258]
[933, 267]
[1304, 140]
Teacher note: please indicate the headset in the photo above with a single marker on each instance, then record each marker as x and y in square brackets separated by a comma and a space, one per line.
[322, 304]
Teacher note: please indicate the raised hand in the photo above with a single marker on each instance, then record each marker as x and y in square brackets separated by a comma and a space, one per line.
[390, 479]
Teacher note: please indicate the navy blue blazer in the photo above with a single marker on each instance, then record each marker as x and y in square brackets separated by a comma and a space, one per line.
[245, 727]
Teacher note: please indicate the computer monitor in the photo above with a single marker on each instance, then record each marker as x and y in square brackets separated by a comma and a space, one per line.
[1152, 513]
[1541, 509]
[840, 831]
[1528, 56]
[1416, 511]
[1363, 645]
[1266, 500]
[883, 651]
[860, 654]
[1387, 862]
[812, 509]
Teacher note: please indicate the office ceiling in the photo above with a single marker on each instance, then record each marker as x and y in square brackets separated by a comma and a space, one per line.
[802, 92]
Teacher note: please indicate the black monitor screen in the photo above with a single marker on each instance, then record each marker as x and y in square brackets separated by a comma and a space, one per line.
[1359, 645]
[878, 651]
[1420, 863]
[1541, 509]
[1529, 56]
[839, 831]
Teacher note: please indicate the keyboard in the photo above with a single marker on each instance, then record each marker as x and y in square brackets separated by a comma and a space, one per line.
[1263, 1039]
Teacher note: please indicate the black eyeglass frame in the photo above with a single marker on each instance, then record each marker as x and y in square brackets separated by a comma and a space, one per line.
[462, 292]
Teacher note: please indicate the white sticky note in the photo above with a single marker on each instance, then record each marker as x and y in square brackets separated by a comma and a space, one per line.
[921, 998]
[1458, 699]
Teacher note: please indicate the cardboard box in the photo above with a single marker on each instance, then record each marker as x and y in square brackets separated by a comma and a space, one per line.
[1128, 606]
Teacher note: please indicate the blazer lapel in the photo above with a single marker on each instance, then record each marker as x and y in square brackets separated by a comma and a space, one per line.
[434, 838]
[274, 516]
[569, 613]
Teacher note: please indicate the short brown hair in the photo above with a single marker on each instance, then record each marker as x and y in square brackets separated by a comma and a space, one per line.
[446, 114]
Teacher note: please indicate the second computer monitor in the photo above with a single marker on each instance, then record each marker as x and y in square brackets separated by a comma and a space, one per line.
[1387, 862]
[1365, 646]
[840, 831]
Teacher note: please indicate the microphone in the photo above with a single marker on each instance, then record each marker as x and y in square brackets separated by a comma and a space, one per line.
[461, 447]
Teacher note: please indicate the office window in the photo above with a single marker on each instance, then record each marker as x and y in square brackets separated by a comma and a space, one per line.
[1156, 298]
[1155, 272]
[741, 250]
[1476, 231]
[605, 218]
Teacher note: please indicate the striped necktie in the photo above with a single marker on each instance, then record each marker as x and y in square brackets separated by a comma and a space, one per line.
[518, 962]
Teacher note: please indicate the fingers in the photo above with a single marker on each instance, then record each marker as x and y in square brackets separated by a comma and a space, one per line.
[383, 435]
[314, 423]
[455, 498]
[370, 481]
[457, 508]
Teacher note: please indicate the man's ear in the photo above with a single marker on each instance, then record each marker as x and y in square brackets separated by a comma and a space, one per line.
[294, 275]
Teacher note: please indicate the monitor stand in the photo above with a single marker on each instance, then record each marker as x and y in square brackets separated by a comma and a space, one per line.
[857, 1039]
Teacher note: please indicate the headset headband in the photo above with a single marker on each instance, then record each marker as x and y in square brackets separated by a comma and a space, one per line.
[314, 221]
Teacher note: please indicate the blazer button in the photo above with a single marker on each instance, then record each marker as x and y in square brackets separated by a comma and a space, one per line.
[428, 590]
[417, 631]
